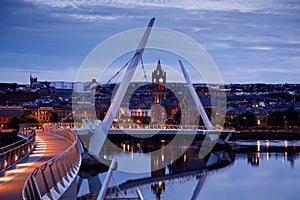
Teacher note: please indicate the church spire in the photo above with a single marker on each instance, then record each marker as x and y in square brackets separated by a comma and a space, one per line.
[158, 67]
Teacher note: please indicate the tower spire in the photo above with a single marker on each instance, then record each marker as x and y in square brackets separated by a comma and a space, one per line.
[158, 67]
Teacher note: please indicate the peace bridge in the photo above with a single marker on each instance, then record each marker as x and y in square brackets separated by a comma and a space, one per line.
[44, 164]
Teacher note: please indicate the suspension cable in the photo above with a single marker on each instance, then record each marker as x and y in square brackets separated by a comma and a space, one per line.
[121, 69]
[145, 76]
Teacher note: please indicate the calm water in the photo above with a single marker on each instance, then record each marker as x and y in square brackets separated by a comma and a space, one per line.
[248, 170]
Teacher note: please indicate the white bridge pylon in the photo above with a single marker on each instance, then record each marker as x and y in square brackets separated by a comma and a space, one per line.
[98, 138]
[196, 99]
[99, 134]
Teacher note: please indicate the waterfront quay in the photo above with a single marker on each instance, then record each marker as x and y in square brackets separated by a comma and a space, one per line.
[267, 135]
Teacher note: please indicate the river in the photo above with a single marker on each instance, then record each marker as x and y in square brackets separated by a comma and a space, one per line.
[245, 170]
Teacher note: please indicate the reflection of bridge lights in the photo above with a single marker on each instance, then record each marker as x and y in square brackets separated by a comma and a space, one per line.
[267, 143]
[160, 184]
[285, 143]
[28, 164]
[36, 155]
[285, 155]
[124, 147]
[258, 145]
[267, 155]
[14, 171]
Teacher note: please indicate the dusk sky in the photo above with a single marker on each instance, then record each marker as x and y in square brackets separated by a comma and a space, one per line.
[249, 40]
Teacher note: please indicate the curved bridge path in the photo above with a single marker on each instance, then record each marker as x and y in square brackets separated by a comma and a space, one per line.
[13, 179]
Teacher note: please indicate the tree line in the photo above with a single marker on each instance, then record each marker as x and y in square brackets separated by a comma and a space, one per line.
[273, 120]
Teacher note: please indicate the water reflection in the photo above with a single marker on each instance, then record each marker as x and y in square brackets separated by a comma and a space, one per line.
[233, 172]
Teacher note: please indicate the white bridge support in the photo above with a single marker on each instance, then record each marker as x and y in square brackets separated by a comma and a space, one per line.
[99, 135]
[104, 187]
[196, 99]
[199, 186]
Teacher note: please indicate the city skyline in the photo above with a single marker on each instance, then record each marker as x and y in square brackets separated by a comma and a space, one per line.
[250, 41]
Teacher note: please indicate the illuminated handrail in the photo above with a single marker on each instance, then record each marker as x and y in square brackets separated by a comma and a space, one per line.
[140, 126]
[165, 127]
[53, 177]
[13, 153]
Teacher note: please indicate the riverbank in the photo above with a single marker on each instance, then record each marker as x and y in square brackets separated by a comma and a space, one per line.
[267, 135]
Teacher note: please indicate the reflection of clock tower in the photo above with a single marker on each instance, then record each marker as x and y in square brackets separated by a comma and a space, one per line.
[158, 112]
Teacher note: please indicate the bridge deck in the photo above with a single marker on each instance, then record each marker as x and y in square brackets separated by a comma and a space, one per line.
[12, 181]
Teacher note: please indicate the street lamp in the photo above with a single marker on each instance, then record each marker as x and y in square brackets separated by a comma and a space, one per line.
[258, 123]
[267, 120]
[284, 122]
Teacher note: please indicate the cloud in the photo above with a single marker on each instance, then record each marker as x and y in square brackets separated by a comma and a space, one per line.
[239, 5]
[89, 17]
[238, 34]
[263, 48]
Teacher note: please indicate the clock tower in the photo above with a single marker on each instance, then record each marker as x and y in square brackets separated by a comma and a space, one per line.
[158, 111]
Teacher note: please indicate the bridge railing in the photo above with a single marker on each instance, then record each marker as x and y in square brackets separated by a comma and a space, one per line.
[163, 127]
[13, 153]
[53, 177]
[157, 126]
[138, 126]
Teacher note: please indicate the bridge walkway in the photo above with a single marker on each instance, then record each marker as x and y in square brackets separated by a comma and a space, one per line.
[47, 147]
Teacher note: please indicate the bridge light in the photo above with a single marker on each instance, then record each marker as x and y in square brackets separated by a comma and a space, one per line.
[15, 158]
[4, 164]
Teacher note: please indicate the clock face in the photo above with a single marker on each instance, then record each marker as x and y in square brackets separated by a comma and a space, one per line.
[161, 80]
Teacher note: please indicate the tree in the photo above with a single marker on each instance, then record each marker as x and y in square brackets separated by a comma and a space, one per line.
[247, 120]
[28, 117]
[13, 123]
[53, 117]
[232, 122]
[291, 117]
